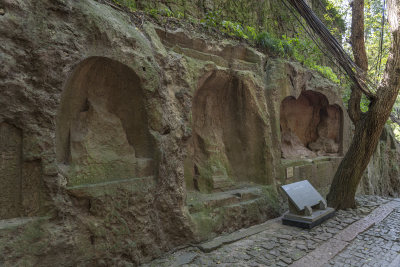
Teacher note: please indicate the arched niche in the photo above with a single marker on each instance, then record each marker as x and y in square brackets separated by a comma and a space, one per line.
[101, 128]
[227, 144]
[310, 127]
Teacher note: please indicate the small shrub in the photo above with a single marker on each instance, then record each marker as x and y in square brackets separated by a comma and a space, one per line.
[327, 72]
[128, 3]
[266, 40]
[167, 13]
[153, 12]
[212, 19]
[251, 32]
[233, 29]
[179, 15]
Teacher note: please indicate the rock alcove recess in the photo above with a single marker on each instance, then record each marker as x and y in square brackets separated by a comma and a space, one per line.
[310, 127]
[102, 128]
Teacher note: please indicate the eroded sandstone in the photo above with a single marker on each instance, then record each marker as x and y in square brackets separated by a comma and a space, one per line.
[310, 127]
[102, 128]
[130, 139]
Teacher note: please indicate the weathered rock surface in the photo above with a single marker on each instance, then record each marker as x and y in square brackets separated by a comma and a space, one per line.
[127, 139]
[312, 121]
[382, 176]
[102, 126]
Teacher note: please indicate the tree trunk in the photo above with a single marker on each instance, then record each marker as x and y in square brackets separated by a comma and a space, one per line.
[353, 165]
[360, 56]
[369, 127]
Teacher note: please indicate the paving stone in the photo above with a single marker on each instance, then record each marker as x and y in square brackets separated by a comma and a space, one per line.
[332, 230]
[286, 260]
[253, 264]
[297, 255]
[203, 262]
[281, 263]
[279, 245]
[284, 237]
[243, 256]
[301, 247]
[264, 261]
[185, 258]
[311, 246]
[324, 236]
[275, 253]
[374, 247]
[269, 245]
[349, 220]
[252, 253]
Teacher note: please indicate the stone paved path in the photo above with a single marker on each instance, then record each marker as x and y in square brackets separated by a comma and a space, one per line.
[378, 246]
[366, 236]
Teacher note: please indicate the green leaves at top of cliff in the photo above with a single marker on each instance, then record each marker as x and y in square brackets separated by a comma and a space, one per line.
[130, 4]
[214, 19]
[303, 50]
[297, 48]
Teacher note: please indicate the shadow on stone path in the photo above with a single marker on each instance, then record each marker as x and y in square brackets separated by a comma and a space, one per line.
[350, 238]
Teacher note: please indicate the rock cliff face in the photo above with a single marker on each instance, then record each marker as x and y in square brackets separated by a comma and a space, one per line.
[121, 139]
[382, 174]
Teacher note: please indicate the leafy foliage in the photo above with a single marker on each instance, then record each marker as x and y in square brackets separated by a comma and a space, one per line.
[131, 4]
[233, 29]
[153, 12]
[395, 128]
[373, 14]
[377, 44]
[212, 19]
[374, 40]
[346, 97]
[166, 12]
[302, 50]
[297, 48]
[333, 18]
[271, 43]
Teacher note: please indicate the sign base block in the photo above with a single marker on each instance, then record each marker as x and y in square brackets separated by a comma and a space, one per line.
[308, 222]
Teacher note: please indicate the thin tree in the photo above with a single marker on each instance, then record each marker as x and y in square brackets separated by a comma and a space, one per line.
[368, 125]
[360, 57]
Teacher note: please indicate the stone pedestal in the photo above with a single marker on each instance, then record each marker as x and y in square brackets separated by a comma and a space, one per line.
[308, 222]
[307, 208]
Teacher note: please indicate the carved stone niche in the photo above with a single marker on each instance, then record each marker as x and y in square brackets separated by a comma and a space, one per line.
[21, 182]
[310, 127]
[228, 143]
[102, 130]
